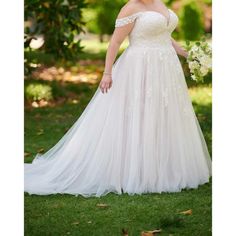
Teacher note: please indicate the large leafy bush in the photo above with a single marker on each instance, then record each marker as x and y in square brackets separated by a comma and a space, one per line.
[59, 22]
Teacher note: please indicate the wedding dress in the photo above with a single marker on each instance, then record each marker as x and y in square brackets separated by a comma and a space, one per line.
[140, 137]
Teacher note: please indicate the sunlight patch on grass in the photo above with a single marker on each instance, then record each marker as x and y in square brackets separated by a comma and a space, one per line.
[201, 94]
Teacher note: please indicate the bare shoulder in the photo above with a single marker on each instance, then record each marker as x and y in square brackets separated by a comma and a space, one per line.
[128, 9]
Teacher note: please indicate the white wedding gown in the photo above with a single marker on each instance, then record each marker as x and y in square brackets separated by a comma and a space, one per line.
[140, 137]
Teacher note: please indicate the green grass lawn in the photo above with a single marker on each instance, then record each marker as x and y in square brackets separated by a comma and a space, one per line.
[70, 215]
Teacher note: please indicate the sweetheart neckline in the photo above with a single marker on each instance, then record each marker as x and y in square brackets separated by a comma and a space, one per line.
[157, 12]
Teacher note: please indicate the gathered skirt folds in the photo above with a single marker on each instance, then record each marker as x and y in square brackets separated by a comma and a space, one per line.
[140, 137]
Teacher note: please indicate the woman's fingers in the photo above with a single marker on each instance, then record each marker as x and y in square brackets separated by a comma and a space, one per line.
[105, 86]
[110, 84]
[102, 86]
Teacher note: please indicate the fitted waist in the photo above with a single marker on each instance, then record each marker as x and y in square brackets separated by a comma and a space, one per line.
[167, 44]
[150, 47]
[162, 41]
[153, 50]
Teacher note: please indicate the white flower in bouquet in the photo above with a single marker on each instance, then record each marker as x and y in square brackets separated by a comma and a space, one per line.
[204, 70]
[199, 60]
[194, 65]
[206, 61]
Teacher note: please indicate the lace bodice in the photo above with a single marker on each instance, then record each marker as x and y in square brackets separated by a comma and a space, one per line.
[151, 28]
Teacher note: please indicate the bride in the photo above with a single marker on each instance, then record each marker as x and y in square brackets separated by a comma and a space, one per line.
[139, 133]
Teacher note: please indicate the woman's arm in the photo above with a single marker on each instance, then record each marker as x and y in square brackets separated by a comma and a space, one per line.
[119, 35]
[179, 50]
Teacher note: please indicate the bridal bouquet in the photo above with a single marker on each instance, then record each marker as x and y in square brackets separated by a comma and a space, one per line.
[199, 59]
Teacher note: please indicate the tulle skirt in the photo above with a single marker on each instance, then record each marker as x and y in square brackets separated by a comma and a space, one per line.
[140, 137]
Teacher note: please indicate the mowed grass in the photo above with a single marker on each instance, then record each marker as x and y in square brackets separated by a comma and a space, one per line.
[69, 215]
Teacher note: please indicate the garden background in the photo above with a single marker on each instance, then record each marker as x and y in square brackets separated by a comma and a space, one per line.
[65, 46]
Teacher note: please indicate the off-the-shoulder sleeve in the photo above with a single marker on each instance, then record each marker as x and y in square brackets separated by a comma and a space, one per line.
[126, 20]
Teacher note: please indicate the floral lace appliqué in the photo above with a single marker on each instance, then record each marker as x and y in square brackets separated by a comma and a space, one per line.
[149, 92]
[126, 20]
[165, 97]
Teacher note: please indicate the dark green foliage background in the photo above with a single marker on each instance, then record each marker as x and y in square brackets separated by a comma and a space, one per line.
[59, 21]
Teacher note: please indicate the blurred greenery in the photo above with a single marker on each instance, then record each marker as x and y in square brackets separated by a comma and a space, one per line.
[209, 2]
[37, 92]
[101, 15]
[191, 21]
